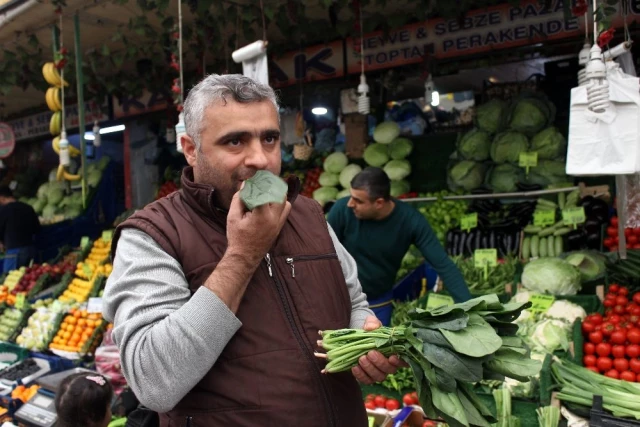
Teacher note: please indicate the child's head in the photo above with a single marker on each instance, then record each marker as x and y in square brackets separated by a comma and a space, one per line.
[84, 400]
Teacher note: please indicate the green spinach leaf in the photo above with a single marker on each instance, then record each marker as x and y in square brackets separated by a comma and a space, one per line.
[460, 367]
[476, 340]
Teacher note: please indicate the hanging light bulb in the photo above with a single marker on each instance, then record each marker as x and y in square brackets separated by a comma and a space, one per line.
[428, 90]
[181, 131]
[583, 60]
[597, 84]
[97, 139]
[65, 159]
[364, 103]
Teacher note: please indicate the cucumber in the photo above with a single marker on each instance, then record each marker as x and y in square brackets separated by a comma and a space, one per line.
[558, 243]
[535, 240]
[532, 229]
[562, 231]
[551, 246]
[547, 231]
[545, 202]
[559, 224]
[526, 248]
[562, 200]
[542, 249]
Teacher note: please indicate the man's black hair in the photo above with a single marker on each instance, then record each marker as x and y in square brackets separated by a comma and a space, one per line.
[375, 181]
[5, 191]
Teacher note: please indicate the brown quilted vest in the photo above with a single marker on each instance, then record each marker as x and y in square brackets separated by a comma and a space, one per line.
[267, 374]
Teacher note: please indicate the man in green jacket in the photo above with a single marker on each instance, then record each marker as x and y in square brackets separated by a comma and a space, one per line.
[377, 231]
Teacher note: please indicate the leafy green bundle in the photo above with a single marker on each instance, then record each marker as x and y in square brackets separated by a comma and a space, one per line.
[447, 348]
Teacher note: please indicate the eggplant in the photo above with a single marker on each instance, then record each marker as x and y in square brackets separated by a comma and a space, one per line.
[449, 242]
[492, 239]
[485, 241]
[515, 247]
[470, 241]
[501, 244]
[592, 226]
[463, 238]
[478, 239]
[522, 186]
[576, 240]
[592, 241]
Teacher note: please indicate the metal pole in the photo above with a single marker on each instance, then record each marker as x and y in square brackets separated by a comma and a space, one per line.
[525, 194]
[81, 128]
[56, 39]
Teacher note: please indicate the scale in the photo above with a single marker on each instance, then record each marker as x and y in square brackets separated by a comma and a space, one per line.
[40, 410]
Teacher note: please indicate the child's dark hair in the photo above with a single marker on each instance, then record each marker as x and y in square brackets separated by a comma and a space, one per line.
[83, 400]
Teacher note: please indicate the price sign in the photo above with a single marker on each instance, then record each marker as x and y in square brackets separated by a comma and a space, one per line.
[372, 422]
[438, 300]
[20, 300]
[84, 242]
[528, 160]
[469, 222]
[94, 305]
[574, 216]
[107, 235]
[544, 217]
[541, 303]
[485, 258]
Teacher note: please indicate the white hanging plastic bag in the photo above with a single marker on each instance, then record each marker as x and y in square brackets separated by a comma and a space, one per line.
[607, 143]
[254, 61]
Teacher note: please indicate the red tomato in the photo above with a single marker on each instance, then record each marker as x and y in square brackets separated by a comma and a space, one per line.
[621, 299]
[416, 399]
[619, 309]
[370, 397]
[621, 365]
[589, 348]
[609, 302]
[429, 423]
[614, 288]
[632, 239]
[590, 360]
[407, 399]
[628, 376]
[623, 291]
[596, 318]
[594, 369]
[608, 242]
[392, 405]
[614, 221]
[634, 365]
[633, 351]
[627, 232]
[370, 405]
[380, 401]
[604, 364]
[612, 231]
[612, 373]
[614, 319]
[634, 319]
[588, 327]
[618, 337]
[603, 349]
[607, 329]
[636, 231]
[633, 335]
[636, 298]
[596, 337]
[617, 351]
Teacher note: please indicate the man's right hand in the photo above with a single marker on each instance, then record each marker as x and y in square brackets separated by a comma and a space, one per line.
[251, 234]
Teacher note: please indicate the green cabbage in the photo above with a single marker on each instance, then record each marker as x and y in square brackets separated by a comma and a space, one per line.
[531, 114]
[94, 177]
[550, 144]
[490, 117]
[55, 195]
[550, 335]
[466, 175]
[548, 172]
[328, 179]
[342, 194]
[399, 188]
[397, 169]
[400, 148]
[347, 175]
[474, 145]
[325, 194]
[49, 211]
[335, 162]
[376, 155]
[386, 132]
[507, 146]
[38, 205]
[503, 178]
[551, 276]
[263, 188]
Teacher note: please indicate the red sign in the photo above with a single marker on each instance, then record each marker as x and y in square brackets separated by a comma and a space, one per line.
[7, 140]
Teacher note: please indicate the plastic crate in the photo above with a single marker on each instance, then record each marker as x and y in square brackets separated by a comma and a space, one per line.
[600, 418]
[410, 286]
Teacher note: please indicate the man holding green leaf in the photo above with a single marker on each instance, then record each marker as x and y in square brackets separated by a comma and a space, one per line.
[377, 230]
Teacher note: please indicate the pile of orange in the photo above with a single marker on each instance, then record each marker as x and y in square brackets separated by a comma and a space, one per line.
[75, 330]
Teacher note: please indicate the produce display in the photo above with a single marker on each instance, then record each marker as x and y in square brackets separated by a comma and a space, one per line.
[442, 215]
[20, 370]
[10, 321]
[76, 331]
[625, 271]
[495, 282]
[447, 348]
[39, 330]
[632, 236]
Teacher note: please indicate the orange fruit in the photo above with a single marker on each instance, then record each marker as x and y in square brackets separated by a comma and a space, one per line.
[66, 335]
[89, 330]
[82, 322]
[72, 321]
[70, 328]
[77, 314]
[91, 323]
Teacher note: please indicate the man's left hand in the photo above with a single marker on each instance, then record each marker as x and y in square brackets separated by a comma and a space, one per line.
[374, 367]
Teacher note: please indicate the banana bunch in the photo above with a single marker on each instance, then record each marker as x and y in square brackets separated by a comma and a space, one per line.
[53, 99]
[52, 76]
[55, 124]
[62, 172]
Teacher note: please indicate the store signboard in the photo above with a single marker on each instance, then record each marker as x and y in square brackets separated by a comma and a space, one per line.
[499, 27]
[38, 124]
[7, 140]
[148, 102]
[320, 62]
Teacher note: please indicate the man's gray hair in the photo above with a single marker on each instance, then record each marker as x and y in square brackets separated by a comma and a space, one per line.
[215, 88]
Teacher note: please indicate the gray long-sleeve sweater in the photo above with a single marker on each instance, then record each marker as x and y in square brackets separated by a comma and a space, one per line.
[168, 339]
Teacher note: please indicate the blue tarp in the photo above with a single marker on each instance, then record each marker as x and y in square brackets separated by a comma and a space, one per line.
[99, 215]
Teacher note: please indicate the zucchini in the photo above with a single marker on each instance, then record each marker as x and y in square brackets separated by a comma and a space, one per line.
[535, 240]
[532, 229]
[545, 202]
[551, 246]
[526, 248]
[562, 200]
[542, 248]
[558, 243]
[562, 231]
[547, 231]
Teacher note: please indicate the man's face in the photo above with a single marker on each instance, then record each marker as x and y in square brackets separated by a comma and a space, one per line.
[362, 205]
[236, 141]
